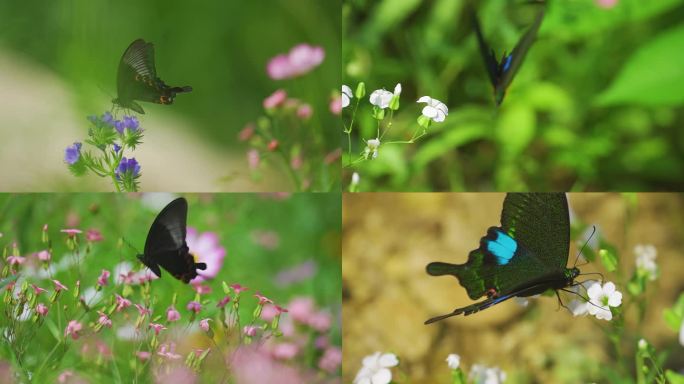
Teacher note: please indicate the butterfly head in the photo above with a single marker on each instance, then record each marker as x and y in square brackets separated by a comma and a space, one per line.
[571, 274]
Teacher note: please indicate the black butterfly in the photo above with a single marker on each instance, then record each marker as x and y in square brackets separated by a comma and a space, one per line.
[501, 73]
[165, 244]
[525, 256]
[137, 79]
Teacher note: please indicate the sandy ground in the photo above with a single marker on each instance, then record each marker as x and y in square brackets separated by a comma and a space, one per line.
[389, 238]
[39, 119]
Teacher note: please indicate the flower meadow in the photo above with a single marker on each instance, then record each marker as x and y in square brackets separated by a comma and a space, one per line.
[622, 322]
[78, 307]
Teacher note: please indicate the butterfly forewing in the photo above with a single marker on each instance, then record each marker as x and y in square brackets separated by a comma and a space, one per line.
[168, 230]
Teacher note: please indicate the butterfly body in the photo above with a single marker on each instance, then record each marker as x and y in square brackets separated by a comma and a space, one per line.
[166, 247]
[501, 72]
[137, 79]
[525, 256]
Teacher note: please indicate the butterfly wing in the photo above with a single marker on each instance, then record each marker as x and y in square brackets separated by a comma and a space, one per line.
[488, 56]
[511, 63]
[531, 246]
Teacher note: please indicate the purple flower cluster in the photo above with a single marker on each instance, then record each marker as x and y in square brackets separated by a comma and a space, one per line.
[128, 165]
[72, 153]
[130, 122]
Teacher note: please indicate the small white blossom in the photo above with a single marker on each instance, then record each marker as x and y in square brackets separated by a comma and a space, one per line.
[435, 110]
[642, 344]
[381, 98]
[355, 179]
[375, 369]
[579, 307]
[645, 259]
[397, 89]
[681, 334]
[371, 150]
[346, 95]
[453, 361]
[481, 374]
[602, 298]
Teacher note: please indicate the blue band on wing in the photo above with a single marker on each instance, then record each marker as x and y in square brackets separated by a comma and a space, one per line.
[503, 247]
[507, 63]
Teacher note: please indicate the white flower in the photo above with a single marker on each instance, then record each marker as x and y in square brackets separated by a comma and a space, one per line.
[645, 259]
[371, 148]
[346, 95]
[355, 178]
[681, 334]
[375, 369]
[453, 361]
[481, 374]
[397, 89]
[643, 344]
[601, 298]
[578, 307]
[381, 98]
[434, 110]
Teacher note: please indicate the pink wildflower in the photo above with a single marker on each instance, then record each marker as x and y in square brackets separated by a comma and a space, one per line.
[157, 328]
[143, 310]
[42, 309]
[142, 355]
[15, 260]
[249, 330]
[44, 255]
[606, 4]
[168, 351]
[122, 303]
[301, 309]
[320, 321]
[172, 314]
[71, 232]
[301, 59]
[304, 111]
[263, 299]
[206, 248]
[275, 99]
[331, 359]
[285, 351]
[237, 288]
[253, 159]
[93, 235]
[247, 132]
[223, 302]
[103, 279]
[59, 286]
[37, 290]
[104, 320]
[194, 306]
[73, 329]
[273, 145]
[202, 289]
[204, 324]
[336, 105]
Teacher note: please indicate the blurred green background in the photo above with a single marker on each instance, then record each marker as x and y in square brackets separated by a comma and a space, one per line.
[597, 104]
[263, 235]
[388, 295]
[59, 61]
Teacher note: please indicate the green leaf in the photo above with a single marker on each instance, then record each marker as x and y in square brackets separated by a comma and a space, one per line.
[515, 129]
[674, 377]
[653, 76]
[675, 315]
[609, 259]
[448, 141]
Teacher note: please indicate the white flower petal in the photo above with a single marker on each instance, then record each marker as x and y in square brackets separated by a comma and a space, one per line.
[681, 334]
[615, 299]
[609, 288]
[347, 91]
[388, 360]
[424, 99]
[383, 376]
[594, 291]
[397, 89]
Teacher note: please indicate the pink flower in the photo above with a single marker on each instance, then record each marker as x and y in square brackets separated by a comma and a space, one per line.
[103, 279]
[296, 274]
[64, 376]
[267, 239]
[249, 330]
[285, 351]
[122, 303]
[237, 288]
[15, 260]
[59, 286]
[331, 359]
[172, 314]
[142, 355]
[275, 100]
[72, 329]
[304, 111]
[273, 145]
[206, 248]
[168, 351]
[322, 342]
[320, 321]
[336, 105]
[301, 309]
[45, 227]
[247, 132]
[269, 312]
[333, 156]
[223, 302]
[71, 232]
[296, 162]
[253, 159]
[42, 309]
[204, 324]
[202, 289]
[93, 235]
[104, 320]
[44, 255]
[37, 290]
[301, 59]
[143, 310]
[157, 328]
[606, 4]
[263, 299]
[194, 306]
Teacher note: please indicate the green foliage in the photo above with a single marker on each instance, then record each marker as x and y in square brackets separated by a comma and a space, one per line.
[595, 106]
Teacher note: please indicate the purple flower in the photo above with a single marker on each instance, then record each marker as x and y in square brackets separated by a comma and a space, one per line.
[119, 126]
[131, 122]
[300, 60]
[194, 306]
[128, 165]
[72, 153]
[107, 118]
[117, 147]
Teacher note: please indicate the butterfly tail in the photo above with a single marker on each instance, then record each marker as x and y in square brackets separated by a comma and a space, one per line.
[149, 263]
[185, 89]
[439, 269]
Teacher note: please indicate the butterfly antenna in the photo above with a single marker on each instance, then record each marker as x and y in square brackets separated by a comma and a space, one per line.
[586, 299]
[130, 245]
[593, 231]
